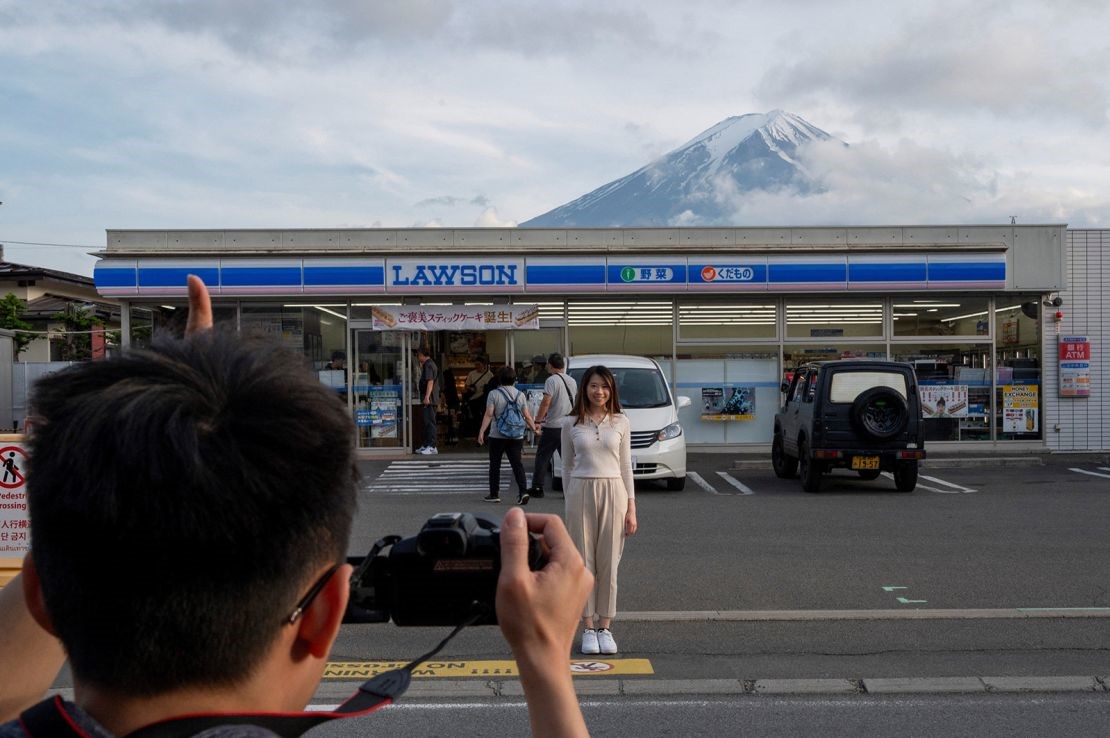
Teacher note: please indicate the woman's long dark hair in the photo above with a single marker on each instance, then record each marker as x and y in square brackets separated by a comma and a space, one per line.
[582, 402]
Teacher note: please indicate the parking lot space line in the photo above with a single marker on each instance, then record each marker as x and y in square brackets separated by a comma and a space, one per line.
[744, 489]
[1090, 473]
[959, 487]
[888, 475]
[697, 479]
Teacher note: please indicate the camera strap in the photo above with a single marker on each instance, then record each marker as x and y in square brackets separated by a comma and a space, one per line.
[50, 719]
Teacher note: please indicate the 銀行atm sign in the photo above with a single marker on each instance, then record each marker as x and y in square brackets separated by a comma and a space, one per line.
[1075, 366]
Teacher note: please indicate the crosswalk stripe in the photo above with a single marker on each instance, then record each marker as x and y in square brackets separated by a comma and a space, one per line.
[744, 489]
[428, 476]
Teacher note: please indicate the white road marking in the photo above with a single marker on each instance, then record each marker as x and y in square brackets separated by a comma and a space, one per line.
[437, 476]
[1104, 468]
[1090, 473]
[888, 475]
[744, 489]
[697, 479]
[959, 487]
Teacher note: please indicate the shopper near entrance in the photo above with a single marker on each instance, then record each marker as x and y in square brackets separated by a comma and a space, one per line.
[600, 497]
[559, 391]
[506, 403]
[428, 386]
[474, 391]
[221, 595]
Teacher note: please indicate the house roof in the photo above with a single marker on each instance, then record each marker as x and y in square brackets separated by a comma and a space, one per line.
[11, 270]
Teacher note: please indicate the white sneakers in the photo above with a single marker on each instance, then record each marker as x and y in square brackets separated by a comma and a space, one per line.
[426, 450]
[589, 642]
[605, 641]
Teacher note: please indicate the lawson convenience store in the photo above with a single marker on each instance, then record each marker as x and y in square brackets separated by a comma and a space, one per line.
[728, 312]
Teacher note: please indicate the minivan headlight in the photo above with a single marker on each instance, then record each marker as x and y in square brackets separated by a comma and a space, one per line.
[674, 430]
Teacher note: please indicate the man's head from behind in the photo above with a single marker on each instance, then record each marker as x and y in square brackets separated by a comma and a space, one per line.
[181, 500]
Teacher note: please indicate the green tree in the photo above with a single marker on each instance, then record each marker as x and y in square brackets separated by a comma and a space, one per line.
[11, 317]
[79, 322]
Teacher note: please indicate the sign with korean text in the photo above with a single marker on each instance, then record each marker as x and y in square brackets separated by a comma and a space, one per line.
[455, 317]
[1075, 366]
[1019, 408]
[15, 525]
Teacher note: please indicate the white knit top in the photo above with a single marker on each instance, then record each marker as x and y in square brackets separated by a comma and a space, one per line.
[601, 451]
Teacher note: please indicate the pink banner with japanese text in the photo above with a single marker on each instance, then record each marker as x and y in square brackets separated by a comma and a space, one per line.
[455, 317]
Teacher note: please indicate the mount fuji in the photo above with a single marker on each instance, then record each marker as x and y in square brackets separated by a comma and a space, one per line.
[693, 184]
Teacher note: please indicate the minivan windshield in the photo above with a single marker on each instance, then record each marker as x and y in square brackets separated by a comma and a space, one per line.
[636, 388]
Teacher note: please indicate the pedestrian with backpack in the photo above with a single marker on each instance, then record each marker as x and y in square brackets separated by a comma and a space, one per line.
[507, 418]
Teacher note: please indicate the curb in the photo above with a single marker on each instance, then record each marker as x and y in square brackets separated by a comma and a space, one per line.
[587, 687]
[332, 693]
[930, 463]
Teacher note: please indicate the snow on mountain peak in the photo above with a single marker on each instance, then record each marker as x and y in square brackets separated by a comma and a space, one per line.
[745, 153]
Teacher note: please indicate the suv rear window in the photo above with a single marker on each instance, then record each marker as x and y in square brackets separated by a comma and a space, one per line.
[847, 386]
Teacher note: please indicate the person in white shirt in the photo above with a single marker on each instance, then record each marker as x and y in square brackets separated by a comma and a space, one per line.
[600, 498]
[559, 391]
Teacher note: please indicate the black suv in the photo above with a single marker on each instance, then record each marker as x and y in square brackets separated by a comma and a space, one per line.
[851, 414]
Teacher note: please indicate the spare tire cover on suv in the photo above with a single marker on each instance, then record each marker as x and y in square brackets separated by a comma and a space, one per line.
[880, 412]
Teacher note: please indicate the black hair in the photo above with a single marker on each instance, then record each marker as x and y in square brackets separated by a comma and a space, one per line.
[582, 401]
[506, 376]
[181, 499]
[556, 361]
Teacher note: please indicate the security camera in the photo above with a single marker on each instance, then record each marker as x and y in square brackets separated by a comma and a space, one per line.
[1054, 302]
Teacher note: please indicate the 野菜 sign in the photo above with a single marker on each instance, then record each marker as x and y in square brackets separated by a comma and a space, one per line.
[1075, 366]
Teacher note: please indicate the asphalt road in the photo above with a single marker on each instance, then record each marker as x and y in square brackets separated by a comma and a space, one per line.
[861, 717]
[743, 584]
[1028, 543]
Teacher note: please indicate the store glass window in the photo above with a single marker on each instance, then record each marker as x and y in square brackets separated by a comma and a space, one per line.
[637, 327]
[834, 317]
[727, 320]
[943, 315]
[796, 354]
[317, 331]
[954, 382]
[734, 392]
[1018, 392]
[150, 320]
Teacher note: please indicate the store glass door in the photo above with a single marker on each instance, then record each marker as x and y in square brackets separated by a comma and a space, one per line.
[377, 393]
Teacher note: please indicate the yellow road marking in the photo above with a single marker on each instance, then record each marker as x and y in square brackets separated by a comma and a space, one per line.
[578, 667]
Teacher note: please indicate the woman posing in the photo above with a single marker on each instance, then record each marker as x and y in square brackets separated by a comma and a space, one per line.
[600, 500]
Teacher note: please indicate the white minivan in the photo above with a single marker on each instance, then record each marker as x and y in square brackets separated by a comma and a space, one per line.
[658, 444]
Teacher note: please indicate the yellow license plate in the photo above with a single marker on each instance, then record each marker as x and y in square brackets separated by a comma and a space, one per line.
[865, 462]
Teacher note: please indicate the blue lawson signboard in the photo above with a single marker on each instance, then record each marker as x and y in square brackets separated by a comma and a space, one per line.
[232, 277]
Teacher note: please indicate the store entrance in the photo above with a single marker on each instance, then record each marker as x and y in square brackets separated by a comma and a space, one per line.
[468, 362]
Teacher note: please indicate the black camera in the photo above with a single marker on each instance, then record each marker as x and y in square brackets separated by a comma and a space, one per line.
[444, 575]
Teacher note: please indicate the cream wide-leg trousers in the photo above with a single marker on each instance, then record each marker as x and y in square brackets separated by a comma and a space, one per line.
[595, 510]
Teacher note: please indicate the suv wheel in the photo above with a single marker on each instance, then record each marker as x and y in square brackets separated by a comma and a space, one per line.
[809, 469]
[676, 484]
[905, 476]
[785, 466]
[881, 413]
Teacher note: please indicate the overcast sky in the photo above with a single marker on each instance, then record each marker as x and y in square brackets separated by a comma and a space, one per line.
[287, 114]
